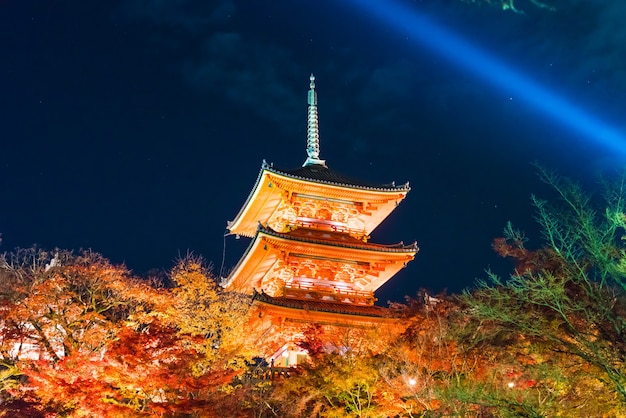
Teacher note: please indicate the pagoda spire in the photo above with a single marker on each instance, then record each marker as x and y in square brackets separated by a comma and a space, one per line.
[313, 133]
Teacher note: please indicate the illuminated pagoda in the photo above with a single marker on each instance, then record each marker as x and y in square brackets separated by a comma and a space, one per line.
[310, 260]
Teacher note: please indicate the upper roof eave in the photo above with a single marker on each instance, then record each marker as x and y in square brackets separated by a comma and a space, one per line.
[323, 306]
[264, 166]
[295, 236]
[318, 173]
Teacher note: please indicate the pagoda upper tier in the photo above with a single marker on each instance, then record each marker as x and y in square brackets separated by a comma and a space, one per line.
[315, 196]
[310, 228]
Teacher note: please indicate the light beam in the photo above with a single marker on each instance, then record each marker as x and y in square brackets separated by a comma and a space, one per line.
[493, 71]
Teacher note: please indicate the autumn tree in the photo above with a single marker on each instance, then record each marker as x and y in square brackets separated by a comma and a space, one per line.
[60, 311]
[433, 369]
[204, 309]
[335, 384]
[425, 359]
[85, 338]
[564, 306]
[55, 304]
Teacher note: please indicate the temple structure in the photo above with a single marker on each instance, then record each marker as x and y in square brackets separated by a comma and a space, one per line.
[310, 260]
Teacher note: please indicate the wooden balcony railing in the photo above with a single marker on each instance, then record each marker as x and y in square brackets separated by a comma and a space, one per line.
[328, 293]
[266, 373]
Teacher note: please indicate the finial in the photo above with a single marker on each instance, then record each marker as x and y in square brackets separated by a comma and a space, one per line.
[313, 135]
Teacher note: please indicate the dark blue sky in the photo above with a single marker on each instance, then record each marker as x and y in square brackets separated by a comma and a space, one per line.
[137, 128]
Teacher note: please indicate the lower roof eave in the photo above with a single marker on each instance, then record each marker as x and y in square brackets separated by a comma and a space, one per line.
[322, 307]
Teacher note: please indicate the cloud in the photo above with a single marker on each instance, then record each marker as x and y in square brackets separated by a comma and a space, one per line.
[194, 16]
[604, 48]
[388, 108]
[583, 42]
[250, 73]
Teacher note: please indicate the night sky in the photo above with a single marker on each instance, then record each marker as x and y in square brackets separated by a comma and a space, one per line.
[137, 128]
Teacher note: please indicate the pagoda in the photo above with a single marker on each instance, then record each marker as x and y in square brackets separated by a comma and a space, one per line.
[310, 260]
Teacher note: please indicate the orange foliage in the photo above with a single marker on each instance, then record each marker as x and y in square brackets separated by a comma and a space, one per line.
[313, 340]
[526, 261]
[95, 342]
[145, 372]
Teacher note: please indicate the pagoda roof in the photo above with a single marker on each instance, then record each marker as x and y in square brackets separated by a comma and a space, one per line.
[264, 253]
[322, 174]
[337, 239]
[318, 180]
[323, 306]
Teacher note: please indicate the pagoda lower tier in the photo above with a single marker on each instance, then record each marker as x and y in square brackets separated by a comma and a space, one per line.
[278, 324]
[317, 265]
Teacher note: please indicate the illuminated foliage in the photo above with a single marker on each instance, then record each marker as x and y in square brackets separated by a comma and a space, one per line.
[335, 385]
[564, 306]
[205, 310]
[83, 338]
[57, 306]
[394, 375]
[146, 373]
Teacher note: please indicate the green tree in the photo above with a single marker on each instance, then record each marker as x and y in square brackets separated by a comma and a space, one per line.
[564, 306]
[333, 385]
[342, 377]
